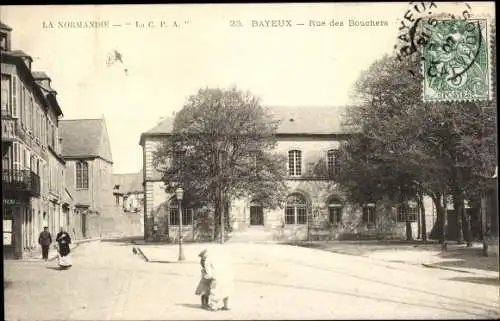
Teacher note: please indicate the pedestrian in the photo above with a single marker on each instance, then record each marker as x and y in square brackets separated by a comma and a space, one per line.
[219, 271]
[203, 287]
[63, 241]
[45, 239]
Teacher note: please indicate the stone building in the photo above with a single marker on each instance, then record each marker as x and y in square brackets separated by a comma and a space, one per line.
[32, 167]
[89, 168]
[128, 192]
[315, 206]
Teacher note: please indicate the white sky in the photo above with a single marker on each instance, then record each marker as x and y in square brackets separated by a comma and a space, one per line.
[298, 66]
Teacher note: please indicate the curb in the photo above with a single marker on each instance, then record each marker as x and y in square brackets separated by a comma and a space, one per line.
[76, 245]
[429, 265]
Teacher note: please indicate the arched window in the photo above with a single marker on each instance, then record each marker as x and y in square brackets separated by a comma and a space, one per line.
[333, 162]
[82, 175]
[295, 163]
[296, 209]
[335, 209]
[256, 213]
[187, 214]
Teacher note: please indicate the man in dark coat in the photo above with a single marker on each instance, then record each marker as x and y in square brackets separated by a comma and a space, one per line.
[45, 239]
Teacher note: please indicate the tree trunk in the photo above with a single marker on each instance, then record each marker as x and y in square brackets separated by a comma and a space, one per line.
[419, 222]
[467, 230]
[458, 206]
[404, 204]
[439, 228]
[421, 206]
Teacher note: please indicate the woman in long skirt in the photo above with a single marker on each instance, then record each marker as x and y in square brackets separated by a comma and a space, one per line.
[63, 241]
[219, 270]
[203, 287]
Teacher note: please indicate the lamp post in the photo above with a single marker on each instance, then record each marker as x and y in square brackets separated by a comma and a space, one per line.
[179, 193]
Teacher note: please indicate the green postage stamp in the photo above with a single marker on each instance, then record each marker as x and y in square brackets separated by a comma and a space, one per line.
[456, 60]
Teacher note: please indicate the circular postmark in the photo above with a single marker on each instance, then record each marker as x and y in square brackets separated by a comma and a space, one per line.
[412, 35]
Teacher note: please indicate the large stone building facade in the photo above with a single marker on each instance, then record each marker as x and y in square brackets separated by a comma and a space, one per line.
[89, 172]
[315, 207]
[33, 169]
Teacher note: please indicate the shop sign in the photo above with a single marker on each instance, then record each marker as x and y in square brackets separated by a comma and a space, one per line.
[8, 201]
[7, 238]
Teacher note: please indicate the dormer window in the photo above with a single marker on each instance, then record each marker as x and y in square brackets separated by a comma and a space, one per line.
[3, 42]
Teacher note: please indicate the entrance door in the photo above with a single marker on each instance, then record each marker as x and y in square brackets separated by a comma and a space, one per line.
[256, 215]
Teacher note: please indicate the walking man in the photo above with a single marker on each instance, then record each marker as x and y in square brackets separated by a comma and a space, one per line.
[45, 239]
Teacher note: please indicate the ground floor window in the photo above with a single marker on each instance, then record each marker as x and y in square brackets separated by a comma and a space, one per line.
[187, 216]
[335, 214]
[369, 214]
[296, 210]
[412, 214]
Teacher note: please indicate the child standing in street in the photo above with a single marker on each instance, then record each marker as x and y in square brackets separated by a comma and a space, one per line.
[203, 287]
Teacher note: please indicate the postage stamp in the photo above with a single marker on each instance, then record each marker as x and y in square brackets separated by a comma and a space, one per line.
[456, 61]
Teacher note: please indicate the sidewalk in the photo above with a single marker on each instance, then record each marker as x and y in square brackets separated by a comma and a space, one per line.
[37, 254]
[458, 257]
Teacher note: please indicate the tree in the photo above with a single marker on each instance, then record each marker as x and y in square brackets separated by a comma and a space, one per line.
[406, 148]
[382, 155]
[221, 148]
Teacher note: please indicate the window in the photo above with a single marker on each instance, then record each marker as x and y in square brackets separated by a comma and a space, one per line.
[117, 199]
[32, 115]
[333, 163]
[335, 211]
[14, 96]
[296, 210]
[5, 86]
[294, 163]
[82, 175]
[3, 42]
[187, 214]
[178, 160]
[412, 212]
[369, 214]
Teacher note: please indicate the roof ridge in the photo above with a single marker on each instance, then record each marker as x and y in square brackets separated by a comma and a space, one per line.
[78, 119]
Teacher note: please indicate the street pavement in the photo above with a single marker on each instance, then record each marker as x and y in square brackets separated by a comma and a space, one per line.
[109, 282]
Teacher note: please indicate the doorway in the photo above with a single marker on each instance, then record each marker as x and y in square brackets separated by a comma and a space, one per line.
[256, 215]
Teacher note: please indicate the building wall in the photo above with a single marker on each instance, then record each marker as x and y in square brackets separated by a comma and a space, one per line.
[99, 194]
[312, 184]
[30, 151]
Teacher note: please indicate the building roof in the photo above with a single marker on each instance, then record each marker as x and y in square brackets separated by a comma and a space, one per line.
[292, 121]
[3, 26]
[128, 183]
[19, 53]
[308, 120]
[84, 138]
[39, 75]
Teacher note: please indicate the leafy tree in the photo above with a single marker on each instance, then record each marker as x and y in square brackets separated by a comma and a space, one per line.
[406, 148]
[221, 148]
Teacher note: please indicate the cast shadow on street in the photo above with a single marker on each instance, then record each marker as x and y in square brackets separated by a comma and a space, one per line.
[124, 240]
[6, 284]
[56, 268]
[191, 305]
[478, 280]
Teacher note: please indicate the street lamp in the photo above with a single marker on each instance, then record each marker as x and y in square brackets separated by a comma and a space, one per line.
[179, 193]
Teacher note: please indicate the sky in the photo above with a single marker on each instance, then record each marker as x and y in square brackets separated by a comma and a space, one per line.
[285, 66]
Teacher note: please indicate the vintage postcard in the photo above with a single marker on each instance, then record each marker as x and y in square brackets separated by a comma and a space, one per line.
[250, 161]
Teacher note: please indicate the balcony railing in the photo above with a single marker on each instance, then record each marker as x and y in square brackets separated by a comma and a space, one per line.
[8, 129]
[20, 181]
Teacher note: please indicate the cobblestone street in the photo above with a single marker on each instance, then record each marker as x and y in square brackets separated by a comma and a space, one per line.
[107, 282]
